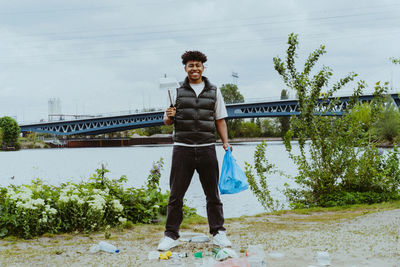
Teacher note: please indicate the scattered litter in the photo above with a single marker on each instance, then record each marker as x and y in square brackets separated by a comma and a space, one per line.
[224, 253]
[104, 246]
[323, 258]
[198, 254]
[179, 255]
[165, 255]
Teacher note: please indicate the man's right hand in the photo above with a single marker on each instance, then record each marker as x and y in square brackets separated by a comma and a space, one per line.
[171, 111]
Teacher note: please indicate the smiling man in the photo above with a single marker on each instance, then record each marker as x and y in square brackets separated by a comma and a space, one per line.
[199, 110]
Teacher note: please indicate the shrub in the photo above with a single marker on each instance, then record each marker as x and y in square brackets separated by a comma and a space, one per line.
[387, 128]
[31, 210]
[10, 132]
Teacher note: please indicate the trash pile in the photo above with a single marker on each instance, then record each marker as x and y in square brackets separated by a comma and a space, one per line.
[218, 257]
[254, 256]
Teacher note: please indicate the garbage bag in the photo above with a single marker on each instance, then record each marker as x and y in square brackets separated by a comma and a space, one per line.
[232, 179]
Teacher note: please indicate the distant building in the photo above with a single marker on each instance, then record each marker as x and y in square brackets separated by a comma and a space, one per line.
[54, 109]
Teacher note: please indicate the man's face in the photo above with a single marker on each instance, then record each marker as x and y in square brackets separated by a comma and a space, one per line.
[194, 70]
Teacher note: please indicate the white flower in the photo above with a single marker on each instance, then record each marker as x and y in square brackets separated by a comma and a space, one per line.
[11, 194]
[117, 205]
[63, 198]
[97, 203]
[74, 198]
[122, 220]
[39, 188]
[27, 205]
[52, 211]
[43, 220]
[38, 202]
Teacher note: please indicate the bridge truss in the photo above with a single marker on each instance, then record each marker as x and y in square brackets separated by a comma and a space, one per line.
[101, 125]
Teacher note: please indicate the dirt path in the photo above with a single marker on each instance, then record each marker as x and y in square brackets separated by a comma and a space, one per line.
[351, 238]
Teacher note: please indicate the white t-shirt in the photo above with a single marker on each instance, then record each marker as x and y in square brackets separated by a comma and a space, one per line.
[219, 109]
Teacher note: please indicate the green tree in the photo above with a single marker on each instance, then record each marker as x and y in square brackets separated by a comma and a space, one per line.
[1, 137]
[11, 132]
[269, 127]
[231, 94]
[284, 121]
[149, 131]
[248, 129]
[340, 157]
[395, 60]
[167, 129]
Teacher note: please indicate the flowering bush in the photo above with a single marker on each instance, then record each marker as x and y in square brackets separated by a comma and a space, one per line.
[31, 210]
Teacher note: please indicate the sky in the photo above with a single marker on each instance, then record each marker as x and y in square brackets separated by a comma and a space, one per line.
[102, 57]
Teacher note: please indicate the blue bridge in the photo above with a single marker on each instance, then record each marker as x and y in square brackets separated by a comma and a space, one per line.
[101, 125]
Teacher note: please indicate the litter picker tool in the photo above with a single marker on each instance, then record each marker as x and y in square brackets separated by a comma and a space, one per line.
[170, 99]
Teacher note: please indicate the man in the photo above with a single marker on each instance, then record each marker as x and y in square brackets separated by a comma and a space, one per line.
[198, 111]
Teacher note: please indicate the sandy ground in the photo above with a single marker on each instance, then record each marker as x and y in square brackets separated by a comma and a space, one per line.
[352, 238]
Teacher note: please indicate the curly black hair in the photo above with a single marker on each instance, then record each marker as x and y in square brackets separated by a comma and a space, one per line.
[193, 55]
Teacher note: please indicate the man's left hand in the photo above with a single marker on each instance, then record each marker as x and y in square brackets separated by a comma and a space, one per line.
[226, 146]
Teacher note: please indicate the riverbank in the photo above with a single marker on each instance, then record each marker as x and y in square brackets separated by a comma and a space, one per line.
[365, 235]
[120, 142]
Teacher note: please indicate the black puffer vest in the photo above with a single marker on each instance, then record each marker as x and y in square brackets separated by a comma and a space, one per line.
[194, 119]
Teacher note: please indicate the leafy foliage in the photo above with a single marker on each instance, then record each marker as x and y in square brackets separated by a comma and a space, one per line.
[259, 186]
[269, 127]
[31, 210]
[231, 94]
[395, 60]
[387, 128]
[10, 132]
[1, 137]
[340, 155]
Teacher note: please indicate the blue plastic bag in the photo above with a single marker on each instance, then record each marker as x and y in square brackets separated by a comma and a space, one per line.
[232, 180]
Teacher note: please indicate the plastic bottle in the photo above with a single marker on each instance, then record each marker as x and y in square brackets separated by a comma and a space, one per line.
[179, 255]
[104, 246]
[256, 256]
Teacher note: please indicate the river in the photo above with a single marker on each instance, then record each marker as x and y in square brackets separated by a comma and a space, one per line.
[55, 166]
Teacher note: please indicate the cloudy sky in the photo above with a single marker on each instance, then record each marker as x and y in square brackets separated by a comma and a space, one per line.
[107, 56]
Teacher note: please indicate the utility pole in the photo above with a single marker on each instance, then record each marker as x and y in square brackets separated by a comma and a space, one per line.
[235, 77]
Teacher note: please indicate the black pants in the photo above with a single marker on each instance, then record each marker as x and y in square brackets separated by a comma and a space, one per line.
[184, 161]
